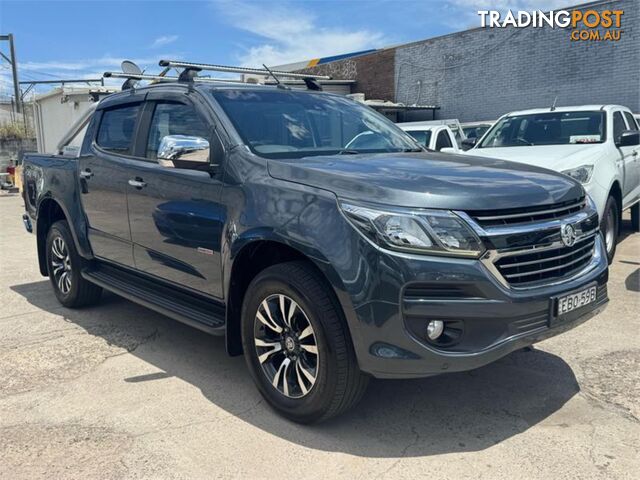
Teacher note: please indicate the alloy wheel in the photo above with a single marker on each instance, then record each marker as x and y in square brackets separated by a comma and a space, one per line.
[286, 346]
[610, 228]
[61, 265]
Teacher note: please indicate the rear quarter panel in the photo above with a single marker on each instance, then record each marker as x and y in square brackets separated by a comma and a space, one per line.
[54, 178]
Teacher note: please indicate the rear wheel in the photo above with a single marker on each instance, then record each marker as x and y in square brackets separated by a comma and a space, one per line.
[609, 226]
[297, 345]
[635, 217]
[64, 265]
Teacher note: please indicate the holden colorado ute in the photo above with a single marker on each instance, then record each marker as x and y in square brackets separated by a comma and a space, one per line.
[238, 209]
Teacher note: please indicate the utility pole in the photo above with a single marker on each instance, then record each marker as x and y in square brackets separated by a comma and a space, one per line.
[14, 69]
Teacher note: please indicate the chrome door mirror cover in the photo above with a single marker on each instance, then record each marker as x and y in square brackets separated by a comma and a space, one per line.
[182, 150]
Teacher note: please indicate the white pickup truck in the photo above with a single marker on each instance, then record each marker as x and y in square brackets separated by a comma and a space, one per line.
[598, 145]
[438, 137]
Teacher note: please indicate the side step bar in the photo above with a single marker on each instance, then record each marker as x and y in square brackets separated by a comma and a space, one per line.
[194, 310]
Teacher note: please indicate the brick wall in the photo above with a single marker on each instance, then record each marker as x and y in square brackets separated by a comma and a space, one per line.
[373, 73]
[483, 73]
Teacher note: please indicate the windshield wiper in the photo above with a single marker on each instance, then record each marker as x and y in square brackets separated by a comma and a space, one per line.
[348, 151]
[408, 150]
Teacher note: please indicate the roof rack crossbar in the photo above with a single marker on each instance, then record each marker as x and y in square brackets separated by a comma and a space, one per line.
[170, 79]
[245, 70]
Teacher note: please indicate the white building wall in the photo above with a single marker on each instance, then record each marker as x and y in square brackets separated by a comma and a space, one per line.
[55, 113]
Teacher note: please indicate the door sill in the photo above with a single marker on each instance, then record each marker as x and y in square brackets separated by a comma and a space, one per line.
[194, 310]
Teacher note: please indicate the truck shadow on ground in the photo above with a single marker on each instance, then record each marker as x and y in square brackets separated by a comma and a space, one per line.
[445, 414]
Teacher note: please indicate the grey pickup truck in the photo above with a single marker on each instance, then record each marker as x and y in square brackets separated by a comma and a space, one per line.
[321, 240]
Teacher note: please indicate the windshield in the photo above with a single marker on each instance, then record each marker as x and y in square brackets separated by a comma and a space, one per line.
[289, 124]
[551, 128]
[475, 132]
[423, 137]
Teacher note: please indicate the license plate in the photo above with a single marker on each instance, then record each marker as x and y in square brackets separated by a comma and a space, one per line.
[576, 300]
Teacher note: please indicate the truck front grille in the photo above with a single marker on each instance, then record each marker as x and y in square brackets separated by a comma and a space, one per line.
[546, 264]
[492, 218]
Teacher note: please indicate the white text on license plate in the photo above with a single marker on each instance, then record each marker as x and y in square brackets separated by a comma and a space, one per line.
[576, 300]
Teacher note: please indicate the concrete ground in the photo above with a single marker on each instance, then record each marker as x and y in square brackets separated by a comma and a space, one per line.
[118, 391]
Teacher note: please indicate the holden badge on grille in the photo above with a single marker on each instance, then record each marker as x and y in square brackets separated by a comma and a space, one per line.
[568, 234]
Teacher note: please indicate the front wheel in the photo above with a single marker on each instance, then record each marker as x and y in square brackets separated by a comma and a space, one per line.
[64, 265]
[297, 345]
[609, 226]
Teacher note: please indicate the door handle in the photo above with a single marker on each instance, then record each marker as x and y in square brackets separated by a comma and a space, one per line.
[86, 173]
[137, 182]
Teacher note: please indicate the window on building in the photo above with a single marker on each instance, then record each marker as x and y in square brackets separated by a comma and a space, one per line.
[73, 146]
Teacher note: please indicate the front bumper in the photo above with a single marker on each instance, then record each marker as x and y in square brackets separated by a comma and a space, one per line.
[495, 319]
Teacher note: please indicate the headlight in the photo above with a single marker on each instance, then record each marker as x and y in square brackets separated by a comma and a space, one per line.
[436, 232]
[581, 174]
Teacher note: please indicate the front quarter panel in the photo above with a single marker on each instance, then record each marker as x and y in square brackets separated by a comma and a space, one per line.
[608, 169]
[308, 220]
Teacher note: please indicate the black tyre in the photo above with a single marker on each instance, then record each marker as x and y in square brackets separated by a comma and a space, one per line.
[297, 345]
[64, 266]
[610, 226]
[635, 217]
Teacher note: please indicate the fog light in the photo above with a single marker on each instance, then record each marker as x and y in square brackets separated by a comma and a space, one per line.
[435, 329]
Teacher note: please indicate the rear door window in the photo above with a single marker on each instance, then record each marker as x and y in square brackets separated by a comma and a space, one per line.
[117, 128]
[443, 140]
[618, 125]
[631, 121]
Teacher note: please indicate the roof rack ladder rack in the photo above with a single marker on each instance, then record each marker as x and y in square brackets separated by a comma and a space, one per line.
[245, 70]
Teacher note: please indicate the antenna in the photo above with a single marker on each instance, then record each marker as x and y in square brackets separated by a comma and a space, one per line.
[246, 70]
[553, 107]
[163, 73]
[278, 84]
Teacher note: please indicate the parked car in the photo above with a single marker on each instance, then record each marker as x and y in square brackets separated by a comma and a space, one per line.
[475, 130]
[598, 145]
[452, 123]
[438, 138]
[239, 210]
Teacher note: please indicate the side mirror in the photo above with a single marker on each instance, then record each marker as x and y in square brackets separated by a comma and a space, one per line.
[184, 151]
[469, 143]
[628, 138]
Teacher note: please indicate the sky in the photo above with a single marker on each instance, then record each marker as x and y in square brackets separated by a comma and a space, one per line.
[81, 39]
